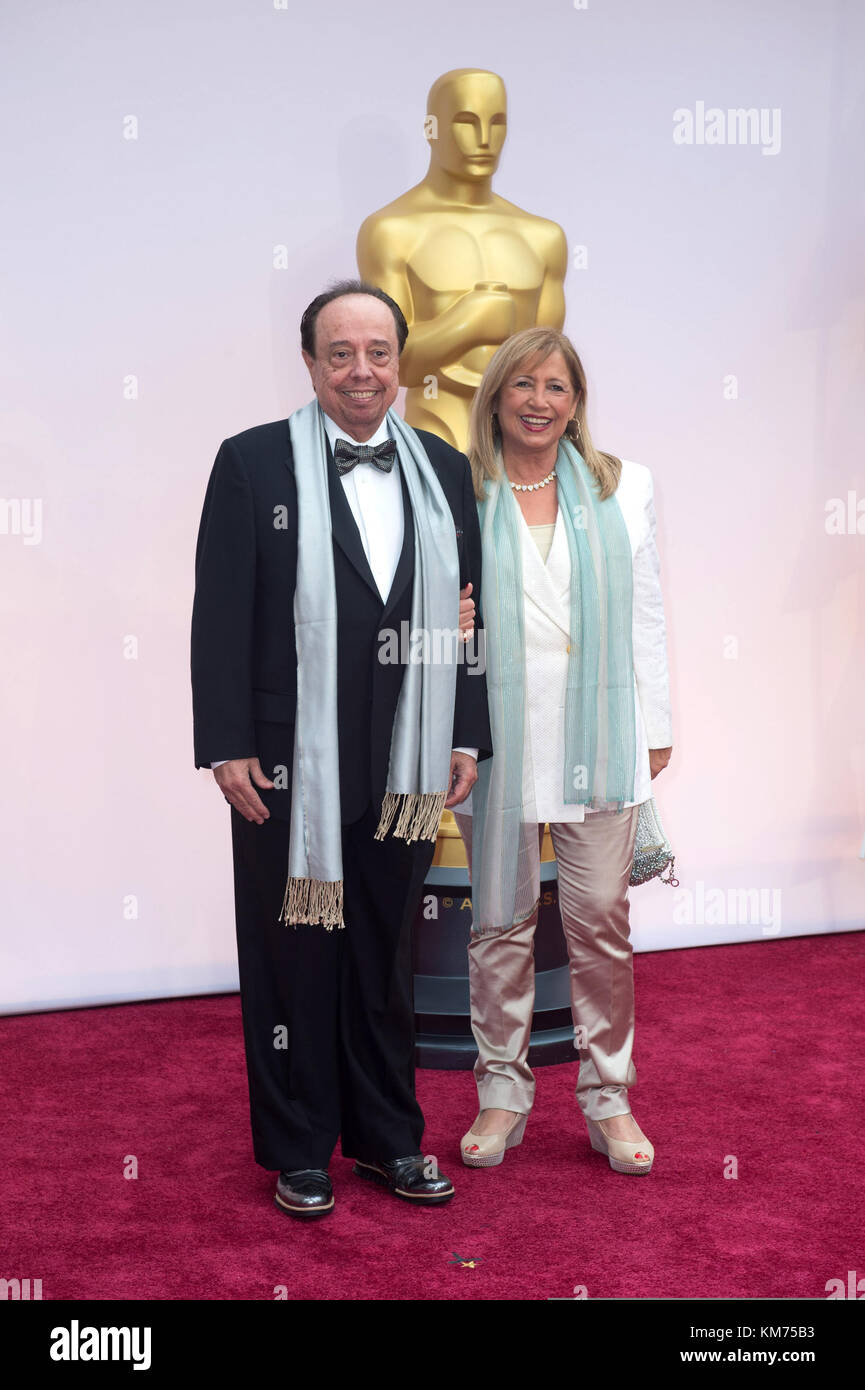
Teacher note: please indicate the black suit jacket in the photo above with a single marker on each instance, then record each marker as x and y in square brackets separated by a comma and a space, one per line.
[244, 661]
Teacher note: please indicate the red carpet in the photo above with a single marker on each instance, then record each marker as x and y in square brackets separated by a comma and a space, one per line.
[752, 1051]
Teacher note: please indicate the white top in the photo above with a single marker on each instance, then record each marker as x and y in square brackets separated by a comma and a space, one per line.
[546, 590]
[543, 537]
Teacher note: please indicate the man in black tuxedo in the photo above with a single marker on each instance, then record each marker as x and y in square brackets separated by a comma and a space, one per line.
[327, 1014]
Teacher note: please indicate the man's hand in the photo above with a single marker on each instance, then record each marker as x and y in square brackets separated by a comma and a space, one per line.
[658, 759]
[235, 780]
[467, 612]
[463, 775]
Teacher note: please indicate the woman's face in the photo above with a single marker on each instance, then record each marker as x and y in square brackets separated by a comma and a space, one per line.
[535, 404]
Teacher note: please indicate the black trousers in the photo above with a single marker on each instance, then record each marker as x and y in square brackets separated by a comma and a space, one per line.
[328, 1016]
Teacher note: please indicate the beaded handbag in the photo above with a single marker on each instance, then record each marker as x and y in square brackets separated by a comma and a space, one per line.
[652, 850]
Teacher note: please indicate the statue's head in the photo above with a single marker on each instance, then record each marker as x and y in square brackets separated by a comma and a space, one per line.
[468, 108]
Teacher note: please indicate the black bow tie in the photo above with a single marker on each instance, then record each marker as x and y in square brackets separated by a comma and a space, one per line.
[347, 456]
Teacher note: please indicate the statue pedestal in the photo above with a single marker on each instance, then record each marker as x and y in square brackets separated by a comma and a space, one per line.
[441, 985]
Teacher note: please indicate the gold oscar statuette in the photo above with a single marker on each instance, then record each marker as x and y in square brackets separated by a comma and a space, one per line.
[467, 268]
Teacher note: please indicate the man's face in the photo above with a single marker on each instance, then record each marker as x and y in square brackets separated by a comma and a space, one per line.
[355, 370]
[472, 124]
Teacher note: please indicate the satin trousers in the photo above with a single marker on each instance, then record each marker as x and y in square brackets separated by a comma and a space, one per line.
[594, 859]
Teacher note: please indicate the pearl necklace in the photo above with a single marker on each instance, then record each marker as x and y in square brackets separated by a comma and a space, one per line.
[530, 487]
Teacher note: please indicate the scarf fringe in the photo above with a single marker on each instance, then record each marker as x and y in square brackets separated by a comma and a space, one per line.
[311, 900]
[419, 815]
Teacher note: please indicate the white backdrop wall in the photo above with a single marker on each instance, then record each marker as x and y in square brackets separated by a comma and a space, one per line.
[718, 305]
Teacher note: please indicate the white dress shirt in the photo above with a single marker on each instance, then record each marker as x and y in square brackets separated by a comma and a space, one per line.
[375, 499]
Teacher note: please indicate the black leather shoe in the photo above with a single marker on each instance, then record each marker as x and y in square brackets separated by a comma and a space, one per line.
[405, 1178]
[305, 1192]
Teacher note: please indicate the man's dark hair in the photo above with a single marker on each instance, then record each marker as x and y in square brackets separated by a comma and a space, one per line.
[342, 287]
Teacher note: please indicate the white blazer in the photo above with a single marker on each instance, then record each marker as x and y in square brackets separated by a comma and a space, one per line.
[547, 631]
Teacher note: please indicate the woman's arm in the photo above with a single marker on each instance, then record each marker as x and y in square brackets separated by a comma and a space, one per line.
[650, 633]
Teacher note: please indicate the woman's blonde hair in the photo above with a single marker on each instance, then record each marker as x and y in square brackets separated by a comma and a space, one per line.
[531, 346]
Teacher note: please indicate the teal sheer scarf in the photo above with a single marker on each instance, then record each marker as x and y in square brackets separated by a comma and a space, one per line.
[600, 731]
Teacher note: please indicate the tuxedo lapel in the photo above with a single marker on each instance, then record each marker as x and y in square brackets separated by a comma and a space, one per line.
[405, 564]
[344, 526]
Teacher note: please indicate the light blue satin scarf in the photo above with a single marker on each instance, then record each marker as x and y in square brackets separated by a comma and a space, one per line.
[600, 733]
[420, 750]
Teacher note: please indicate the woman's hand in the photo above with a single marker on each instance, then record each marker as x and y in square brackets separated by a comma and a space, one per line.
[658, 759]
[467, 612]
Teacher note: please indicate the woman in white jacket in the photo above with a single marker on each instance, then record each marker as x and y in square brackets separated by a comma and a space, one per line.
[580, 713]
